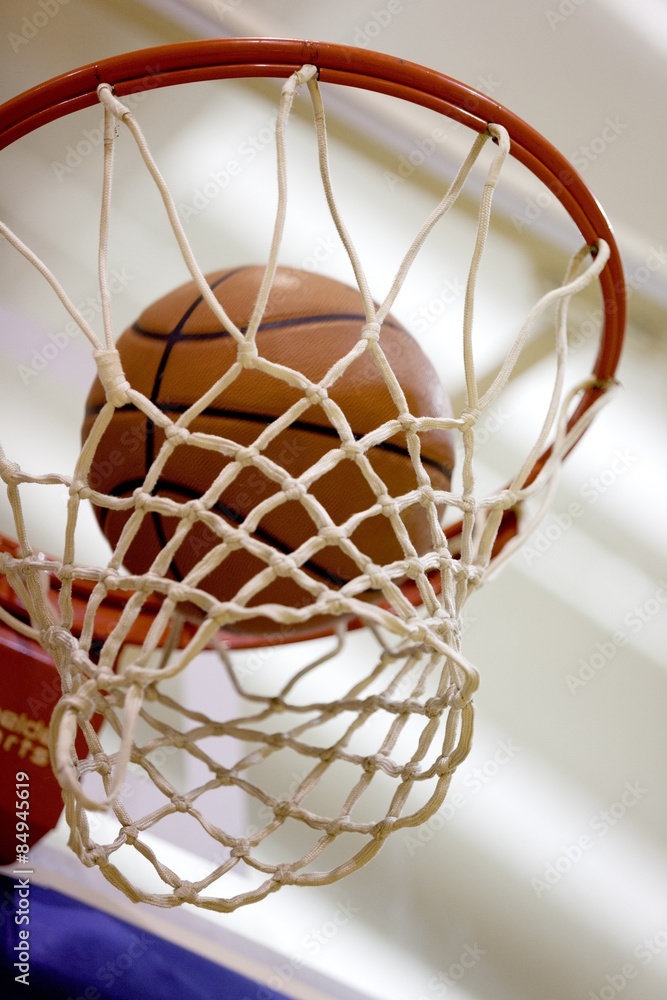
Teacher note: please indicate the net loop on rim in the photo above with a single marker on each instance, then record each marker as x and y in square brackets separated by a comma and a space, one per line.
[388, 735]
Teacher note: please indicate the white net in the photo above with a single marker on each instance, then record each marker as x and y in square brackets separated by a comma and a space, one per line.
[327, 764]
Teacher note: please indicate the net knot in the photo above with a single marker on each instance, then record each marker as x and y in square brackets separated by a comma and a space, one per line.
[467, 504]
[112, 376]
[96, 855]
[281, 810]
[282, 874]
[131, 833]
[102, 765]
[410, 771]
[180, 803]
[80, 660]
[469, 417]
[384, 828]
[426, 495]
[176, 435]
[186, 893]
[10, 472]
[387, 504]
[247, 353]
[443, 767]
[295, 491]
[142, 500]
[443, 620]
[371, 331]
[456, 698]
[56, 637]
[177, 741]
[408, 423]
[282, 565]
[105, 679]
[338, 826]
[337, 608]
[178, 593]
[315, 394]
[413, 568]
[434, 707]
[351, 450]
[108, 578]
[508, 499]
[192, 510]
[331, 533]
[240, 850]
[247, 456]
[67, 572]
[371, 764]
[376, 579]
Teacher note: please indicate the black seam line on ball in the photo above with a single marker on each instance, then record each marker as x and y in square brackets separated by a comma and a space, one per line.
[170, 342]
[305, 425]
[229, 513]
[301, 425]
[278, 324]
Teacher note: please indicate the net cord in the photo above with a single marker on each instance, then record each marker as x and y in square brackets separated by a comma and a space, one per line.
[426, 677]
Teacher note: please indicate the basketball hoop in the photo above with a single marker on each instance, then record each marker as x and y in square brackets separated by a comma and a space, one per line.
[122, 636]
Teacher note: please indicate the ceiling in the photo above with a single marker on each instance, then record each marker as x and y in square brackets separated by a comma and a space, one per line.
[568, 68]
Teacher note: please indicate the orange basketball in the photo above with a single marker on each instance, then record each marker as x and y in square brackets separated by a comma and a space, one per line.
[177, 350]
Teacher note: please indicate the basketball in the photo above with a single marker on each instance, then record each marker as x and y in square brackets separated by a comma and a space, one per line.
[177, 350]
